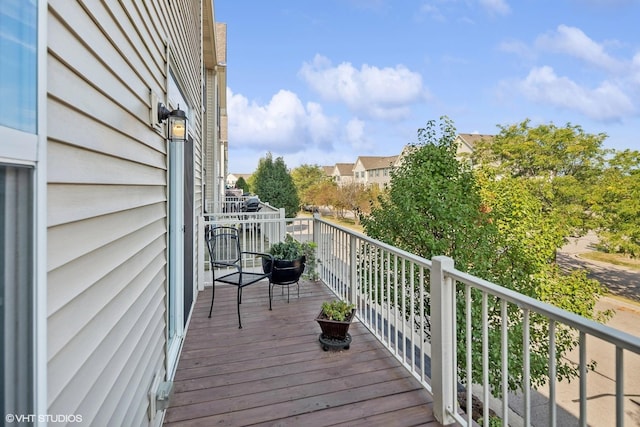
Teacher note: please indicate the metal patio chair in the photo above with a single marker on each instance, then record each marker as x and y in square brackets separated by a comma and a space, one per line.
[225, 253]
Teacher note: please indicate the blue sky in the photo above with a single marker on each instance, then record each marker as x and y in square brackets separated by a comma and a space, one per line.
[321, 82]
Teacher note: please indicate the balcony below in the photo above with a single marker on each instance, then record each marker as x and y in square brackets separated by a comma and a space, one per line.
[274, 371]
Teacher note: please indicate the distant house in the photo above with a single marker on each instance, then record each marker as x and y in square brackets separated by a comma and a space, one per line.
[342, 173]
[466, 143]
[374, 170]
[328, 171]
[100, 253]
[233, 178]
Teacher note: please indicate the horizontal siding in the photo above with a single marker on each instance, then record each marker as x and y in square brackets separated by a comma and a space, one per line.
[94, 28]
[123, 382]
[72, 287]
[107, 198]
[69, 203]
[72, 165]
[95, 233]
[98, 130]
[105, 347]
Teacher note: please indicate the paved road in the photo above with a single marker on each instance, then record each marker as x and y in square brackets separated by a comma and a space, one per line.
[601, 382]
[621, 281]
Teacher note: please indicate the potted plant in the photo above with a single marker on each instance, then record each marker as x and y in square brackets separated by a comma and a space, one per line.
[334, 319]
[289, 262]
[291, 259]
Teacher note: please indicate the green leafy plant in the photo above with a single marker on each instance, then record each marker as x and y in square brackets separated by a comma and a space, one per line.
[337, 310]
[291, 249]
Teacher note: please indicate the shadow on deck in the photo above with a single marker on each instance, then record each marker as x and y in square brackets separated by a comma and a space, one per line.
[274, 371]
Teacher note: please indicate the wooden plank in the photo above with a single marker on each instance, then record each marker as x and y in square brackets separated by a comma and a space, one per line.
[274, 371]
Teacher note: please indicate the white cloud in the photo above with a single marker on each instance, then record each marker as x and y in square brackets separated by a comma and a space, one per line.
[518, 48]
[635, 69]
[606, 102]
[499, 7]
[355, 134]
[432, 11]
[381, 93]
[574, 42]
[284, 124]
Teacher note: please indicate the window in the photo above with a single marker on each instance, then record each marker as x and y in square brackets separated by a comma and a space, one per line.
[16, 289]
[22, 216]
[18, 62]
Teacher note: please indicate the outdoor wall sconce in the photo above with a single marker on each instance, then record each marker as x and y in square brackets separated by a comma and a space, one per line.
[177, 122]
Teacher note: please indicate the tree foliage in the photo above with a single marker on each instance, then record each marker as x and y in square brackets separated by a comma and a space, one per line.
[498, 229]
[582, 185]
[242, 184]
[306, 177]
[545, 151]
[274, 184]
[615, 204]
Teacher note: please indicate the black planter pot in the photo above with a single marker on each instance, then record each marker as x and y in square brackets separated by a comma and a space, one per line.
[284, 272]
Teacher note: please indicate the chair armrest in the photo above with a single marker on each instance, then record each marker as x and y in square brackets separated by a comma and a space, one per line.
[260, 254]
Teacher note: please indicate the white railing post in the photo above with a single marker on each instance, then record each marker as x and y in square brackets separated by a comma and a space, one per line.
[200, 238]
[316, 229]
[353, 270]
[443, 310]
[283, 225]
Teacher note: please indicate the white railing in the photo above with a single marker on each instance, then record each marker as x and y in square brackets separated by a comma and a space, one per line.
[413, 307]
[235, 205]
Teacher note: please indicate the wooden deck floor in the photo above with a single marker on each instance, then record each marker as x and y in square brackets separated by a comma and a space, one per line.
[274, 371]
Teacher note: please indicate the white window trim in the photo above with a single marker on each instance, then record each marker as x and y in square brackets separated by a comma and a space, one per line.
[27, 149]
[175, 265]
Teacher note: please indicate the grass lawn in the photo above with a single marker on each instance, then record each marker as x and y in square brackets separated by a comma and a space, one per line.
[616, 259]
[346, 222]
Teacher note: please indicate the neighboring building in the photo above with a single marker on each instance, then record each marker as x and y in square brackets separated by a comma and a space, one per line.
[342, 173]
[466, 144]
[100, 249]
[374, 170]
[233, 178]
[328, 171]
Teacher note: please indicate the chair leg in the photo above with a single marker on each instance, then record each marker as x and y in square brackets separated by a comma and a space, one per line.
[239, 299]
[270, 290]
[213, 295]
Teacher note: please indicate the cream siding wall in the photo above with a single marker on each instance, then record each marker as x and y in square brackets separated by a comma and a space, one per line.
[107, 198]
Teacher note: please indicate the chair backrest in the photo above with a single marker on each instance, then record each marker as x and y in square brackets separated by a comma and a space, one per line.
[224, 247]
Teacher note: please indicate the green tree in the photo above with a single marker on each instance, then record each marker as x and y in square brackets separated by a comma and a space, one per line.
[582, 185]
[305, 177]
[242, 184]
[562, 162]
[496, 229]
[274, 184]
[323, 193]
[615, 204]
[545, 151]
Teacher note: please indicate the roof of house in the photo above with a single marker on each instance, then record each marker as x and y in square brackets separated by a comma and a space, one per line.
[377, 162]
[345, 169]
[328, 170]
[244, 176]
[472, 138]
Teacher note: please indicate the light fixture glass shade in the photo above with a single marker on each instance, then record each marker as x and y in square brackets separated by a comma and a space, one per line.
[177, 128]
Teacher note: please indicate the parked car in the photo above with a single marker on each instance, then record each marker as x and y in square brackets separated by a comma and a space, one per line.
[251, 204]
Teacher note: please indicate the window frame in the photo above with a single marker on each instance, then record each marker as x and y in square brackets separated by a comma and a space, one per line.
[25, 149]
